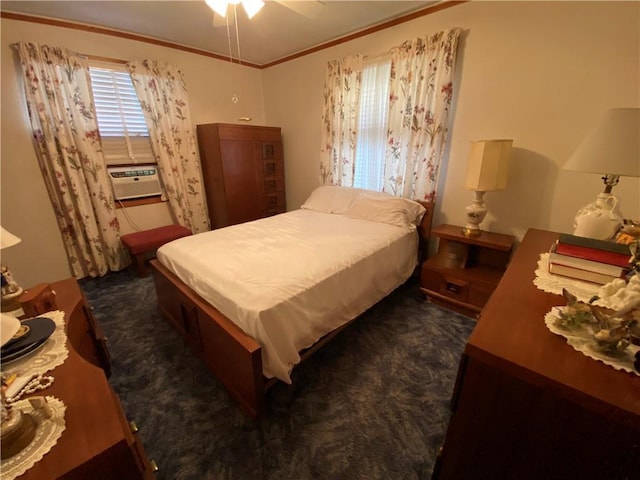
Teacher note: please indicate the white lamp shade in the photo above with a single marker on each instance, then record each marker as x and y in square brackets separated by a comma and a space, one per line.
[612, 147]
[8, 239]
[488, 165]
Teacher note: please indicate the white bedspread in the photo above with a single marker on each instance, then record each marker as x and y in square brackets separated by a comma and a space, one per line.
[289, 279]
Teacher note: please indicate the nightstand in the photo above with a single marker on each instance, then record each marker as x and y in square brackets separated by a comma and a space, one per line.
[465, 271]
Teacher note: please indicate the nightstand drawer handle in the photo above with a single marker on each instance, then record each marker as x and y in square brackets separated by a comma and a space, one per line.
[134, 428]
[453, 288]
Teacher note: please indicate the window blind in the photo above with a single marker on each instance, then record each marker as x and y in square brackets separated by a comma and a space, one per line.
[372, 126]
[124, 134]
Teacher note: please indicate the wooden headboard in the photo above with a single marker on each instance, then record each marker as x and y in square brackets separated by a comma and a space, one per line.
[424, 230]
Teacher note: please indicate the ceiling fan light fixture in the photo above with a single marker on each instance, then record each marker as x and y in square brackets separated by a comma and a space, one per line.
[218, 6]
[252, 7]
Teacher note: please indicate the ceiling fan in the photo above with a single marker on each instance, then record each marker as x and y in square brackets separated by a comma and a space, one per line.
[308, 8]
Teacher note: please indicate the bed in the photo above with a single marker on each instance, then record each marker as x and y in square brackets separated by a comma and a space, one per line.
[254, 300]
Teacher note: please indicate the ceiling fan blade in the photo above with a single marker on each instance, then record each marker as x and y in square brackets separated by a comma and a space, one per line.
[307, 8]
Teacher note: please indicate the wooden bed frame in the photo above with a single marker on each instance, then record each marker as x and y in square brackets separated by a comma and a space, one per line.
[234, 357]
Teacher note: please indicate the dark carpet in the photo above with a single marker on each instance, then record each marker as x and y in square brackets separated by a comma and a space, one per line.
[372, 404]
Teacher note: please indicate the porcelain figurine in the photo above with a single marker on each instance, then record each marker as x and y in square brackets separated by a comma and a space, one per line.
[614, 334]
[576, 314]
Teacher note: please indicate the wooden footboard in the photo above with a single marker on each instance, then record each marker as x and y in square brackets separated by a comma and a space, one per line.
[234, 357]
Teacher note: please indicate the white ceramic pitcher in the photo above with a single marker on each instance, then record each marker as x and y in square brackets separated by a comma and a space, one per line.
[600, 219]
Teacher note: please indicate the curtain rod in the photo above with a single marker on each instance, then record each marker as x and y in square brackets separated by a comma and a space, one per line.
[377, 56]
[89, 57]
[105, 59]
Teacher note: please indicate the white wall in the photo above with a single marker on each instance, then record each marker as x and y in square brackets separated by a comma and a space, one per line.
[25, 207]
[540, 73]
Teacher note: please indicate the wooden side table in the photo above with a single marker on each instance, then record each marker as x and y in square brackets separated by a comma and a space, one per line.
[466, 270]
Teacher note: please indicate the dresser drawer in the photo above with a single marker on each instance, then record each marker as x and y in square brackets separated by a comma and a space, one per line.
[272, 150]
[273, 168]
[272, 185]
[273, 203]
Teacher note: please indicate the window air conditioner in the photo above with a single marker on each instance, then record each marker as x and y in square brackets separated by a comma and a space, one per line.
[135, 182]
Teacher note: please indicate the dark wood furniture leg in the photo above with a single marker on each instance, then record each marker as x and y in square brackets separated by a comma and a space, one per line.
[141, 268]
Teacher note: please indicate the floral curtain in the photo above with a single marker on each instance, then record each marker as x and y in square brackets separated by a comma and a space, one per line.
[67, 144]
[340, 120]
[163, 96]
[421, 91]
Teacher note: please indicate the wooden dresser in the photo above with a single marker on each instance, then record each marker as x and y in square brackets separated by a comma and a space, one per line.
[99, 442]
[527, 405]
[243, 171]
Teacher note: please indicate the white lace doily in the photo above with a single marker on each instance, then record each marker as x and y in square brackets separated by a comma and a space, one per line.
[582, 341]
[48, 431]
[551, 283]
[52, 353]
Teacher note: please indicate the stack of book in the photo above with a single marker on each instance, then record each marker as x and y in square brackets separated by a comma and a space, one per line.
[589, 259]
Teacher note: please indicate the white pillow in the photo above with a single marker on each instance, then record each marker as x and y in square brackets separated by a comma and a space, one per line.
[385, 208]
[331, 199]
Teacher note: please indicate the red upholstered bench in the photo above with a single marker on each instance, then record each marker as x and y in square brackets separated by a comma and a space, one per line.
[138, 244]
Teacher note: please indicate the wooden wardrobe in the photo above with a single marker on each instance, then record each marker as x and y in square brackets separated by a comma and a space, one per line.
[243, 170]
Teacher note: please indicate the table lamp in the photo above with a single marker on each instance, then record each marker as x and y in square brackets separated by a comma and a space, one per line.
[612, 149]
[486, 171]
[10, 289]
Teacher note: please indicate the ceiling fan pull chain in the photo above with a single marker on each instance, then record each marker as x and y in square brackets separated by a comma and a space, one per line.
[229, 39]
[237, 35]
[234, 97]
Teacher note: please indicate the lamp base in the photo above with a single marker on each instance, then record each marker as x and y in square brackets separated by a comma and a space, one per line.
[18, 430]
[11, 291]
[600, 219]
[11, 301]
[471, 231]
[475, 215]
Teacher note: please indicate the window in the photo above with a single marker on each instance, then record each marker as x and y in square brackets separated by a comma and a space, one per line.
[372, 125]
[124, 134]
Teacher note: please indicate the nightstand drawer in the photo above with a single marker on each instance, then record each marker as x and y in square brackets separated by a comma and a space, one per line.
[454, 288]
[479, 293]
[443, 284]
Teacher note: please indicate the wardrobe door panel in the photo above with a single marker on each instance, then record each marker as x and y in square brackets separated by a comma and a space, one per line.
[240, 180]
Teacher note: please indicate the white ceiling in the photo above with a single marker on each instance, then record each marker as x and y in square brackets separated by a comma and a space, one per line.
[276, 32]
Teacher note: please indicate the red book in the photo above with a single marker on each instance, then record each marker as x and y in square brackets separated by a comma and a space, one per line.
[579, 274]
[593, 254]
[584, 264]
